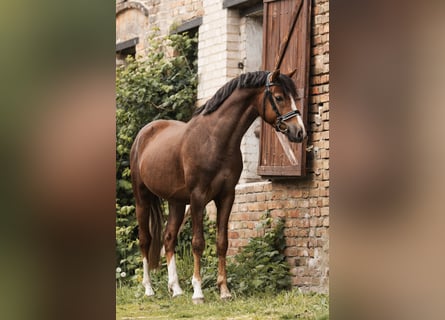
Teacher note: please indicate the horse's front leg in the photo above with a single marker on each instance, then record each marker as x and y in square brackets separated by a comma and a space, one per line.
[224, 206]
[198, 244]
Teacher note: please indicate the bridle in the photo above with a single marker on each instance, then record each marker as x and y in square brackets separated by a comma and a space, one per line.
[279, 122]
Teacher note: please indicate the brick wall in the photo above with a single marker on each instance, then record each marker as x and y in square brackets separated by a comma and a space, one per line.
[139, 18]
[302, 202]
[218, 48]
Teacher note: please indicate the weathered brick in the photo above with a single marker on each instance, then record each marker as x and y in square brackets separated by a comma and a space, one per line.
[324, 154]
[233, 235]
[319, 232]
[324, 211]
[303, 233]
[290, 232]
[325, 175]
[278, 213]
[326, 222]
[302, 223]
[293, 213]
[291, 251]
[301, 252]
[242, 207]
[324, 192]
[240, 198]
[257, 206]
[260, 197]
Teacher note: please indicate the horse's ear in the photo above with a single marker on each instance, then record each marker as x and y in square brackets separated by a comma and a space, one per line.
[291, 74]
[274, 76]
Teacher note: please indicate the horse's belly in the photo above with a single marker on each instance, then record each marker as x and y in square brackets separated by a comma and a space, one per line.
[160, 167]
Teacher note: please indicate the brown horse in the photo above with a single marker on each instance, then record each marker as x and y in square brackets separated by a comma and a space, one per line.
[199, 161]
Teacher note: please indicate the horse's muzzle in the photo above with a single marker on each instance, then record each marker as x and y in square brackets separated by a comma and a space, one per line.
[296, 134]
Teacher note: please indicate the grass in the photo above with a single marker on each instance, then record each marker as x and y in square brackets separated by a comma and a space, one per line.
[131, 304]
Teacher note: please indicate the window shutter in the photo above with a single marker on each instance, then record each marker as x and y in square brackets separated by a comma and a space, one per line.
[279, 157]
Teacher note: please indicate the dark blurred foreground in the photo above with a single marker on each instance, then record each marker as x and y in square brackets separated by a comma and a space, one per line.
[387, 158]
[57, 142]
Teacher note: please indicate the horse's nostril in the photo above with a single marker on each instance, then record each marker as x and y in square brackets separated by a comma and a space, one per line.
[300, 134]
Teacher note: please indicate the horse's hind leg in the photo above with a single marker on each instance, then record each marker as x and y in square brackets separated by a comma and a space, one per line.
[175, 218]
[144, 245]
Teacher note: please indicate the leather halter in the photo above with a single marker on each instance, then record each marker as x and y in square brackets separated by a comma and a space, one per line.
[279, 122]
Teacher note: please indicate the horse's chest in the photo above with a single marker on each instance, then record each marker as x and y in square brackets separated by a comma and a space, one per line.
[226, 164]
[226, 173]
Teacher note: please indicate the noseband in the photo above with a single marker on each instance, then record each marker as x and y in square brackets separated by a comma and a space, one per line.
[279, 123]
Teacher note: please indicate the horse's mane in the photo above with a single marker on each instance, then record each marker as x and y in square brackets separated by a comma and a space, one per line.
[247, 80]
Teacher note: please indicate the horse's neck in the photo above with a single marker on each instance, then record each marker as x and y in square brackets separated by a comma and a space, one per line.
[232, 119]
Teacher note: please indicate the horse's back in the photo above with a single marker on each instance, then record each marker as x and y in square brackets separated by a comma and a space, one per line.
[163, 128]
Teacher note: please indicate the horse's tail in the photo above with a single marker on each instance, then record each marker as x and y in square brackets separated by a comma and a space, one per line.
[155, 227]
[149, 214]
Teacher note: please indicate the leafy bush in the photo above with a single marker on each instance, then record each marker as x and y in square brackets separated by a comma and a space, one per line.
[158, 86]
[261, 266]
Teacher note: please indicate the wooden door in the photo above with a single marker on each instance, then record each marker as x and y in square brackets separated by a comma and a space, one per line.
[278, 156]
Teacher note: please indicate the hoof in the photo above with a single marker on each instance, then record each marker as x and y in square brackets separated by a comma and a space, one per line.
[175, 290]
[149, 293]
[177, 294]
[226, 296]
[198, 301]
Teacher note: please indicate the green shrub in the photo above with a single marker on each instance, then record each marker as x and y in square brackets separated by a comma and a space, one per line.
[261, 266]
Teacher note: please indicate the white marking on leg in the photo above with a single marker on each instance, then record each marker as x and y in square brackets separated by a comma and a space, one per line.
[163, 251]
[197, 292]
[173, 282]
[146, 279]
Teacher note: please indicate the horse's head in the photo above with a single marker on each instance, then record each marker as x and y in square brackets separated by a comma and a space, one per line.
[279, 108]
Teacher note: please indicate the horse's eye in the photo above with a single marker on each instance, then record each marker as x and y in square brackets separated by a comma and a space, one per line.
[279, 98]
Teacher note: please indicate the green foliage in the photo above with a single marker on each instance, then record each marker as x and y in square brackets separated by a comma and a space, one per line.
[156, 86]
[261, 266]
